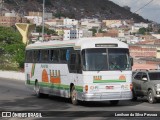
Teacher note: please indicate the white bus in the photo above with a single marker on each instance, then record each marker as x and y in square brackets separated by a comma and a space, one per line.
[87, 69]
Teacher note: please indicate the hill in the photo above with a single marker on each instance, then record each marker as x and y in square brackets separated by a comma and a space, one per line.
[101, 9]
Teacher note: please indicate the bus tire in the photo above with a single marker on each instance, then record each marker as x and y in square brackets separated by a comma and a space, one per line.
[74, 96]
[37, 90]
[114, 102]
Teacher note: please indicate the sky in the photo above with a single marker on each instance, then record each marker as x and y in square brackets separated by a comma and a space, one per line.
[150, 12]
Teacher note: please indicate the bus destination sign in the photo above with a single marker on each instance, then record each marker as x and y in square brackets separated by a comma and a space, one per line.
[106, 45]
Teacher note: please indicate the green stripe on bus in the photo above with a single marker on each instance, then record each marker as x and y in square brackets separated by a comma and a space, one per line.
[108, 81]
[79, 88]
[57, 86]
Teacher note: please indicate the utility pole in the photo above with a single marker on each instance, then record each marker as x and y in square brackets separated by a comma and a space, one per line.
[43, 20]
[1, 7]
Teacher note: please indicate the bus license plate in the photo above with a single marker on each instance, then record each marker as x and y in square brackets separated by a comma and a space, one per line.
[109, 87]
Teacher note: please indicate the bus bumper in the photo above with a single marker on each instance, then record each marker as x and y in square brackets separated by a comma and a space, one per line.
[127, 95]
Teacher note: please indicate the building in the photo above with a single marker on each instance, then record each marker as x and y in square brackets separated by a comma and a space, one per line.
[87, 33]
[54, 24]
[142, 51]
[72, 34]
[145, 56]
[132, 39]
[135, 28]
[40, 14]
[109, 33]
[68, 21]
[90, 23]
[35, 20]
[37, 17]
[158, 53]
[59, 31]
[156, 35]
[112, 23]
[9, 19]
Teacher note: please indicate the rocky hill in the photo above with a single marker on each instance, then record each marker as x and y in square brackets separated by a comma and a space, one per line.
[101, 9]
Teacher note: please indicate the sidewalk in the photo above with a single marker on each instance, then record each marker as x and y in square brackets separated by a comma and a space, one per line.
[12, 75]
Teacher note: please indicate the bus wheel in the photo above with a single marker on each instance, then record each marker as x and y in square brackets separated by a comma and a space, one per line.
[74, 96]
[37, 90]
[114, 102]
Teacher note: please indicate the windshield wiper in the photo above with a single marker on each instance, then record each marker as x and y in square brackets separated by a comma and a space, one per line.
[115, 66]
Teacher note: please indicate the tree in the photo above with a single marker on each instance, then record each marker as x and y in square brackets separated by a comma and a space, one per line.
[100, 31]
[46, 30]
[93, 30]
[12, 49]
[60, 14]
[142, 31]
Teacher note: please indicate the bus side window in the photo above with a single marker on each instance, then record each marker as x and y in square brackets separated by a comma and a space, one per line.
[45, 55]
[78, 64]
[39, 56]
[54, 55]
[36, 56]
[75, 63]
[63, 55]
[29, 56]
[33, 55]
[72, 63]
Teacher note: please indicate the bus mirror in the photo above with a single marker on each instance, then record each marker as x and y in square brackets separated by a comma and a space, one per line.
[131, 60]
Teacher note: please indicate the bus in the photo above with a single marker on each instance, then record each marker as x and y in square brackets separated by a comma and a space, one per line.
[86, 69]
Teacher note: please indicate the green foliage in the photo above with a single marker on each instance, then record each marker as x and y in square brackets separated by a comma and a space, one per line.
[142, 31]
[46, 30]
[9, 36]
[93, 30]
[100, 31]
[145, 30]
[158, 31]
[12, 50]
[16, 51]
[59, 15]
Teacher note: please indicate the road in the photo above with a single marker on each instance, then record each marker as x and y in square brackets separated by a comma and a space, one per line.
[14, 96]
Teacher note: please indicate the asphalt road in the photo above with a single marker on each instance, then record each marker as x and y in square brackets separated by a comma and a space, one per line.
[15, 97]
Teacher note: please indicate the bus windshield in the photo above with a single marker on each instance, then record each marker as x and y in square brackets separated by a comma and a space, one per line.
[102, 59]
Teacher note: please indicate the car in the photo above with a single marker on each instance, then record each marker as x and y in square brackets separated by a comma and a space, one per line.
[146, 83]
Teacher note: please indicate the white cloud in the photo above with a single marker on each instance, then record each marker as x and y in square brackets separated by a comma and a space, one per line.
[151, 11]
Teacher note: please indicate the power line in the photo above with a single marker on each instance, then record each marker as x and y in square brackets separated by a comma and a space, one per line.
[137, 10]
[143, 6]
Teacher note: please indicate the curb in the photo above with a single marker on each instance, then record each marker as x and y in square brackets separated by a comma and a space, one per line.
[12, 75]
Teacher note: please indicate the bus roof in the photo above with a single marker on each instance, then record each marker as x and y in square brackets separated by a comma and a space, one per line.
[79, 44]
